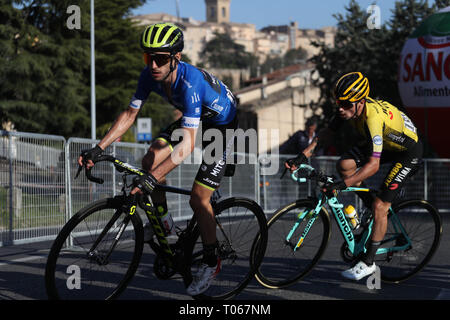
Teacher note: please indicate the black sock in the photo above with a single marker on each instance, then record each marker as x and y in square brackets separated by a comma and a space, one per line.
[209, 254]
[371, 251]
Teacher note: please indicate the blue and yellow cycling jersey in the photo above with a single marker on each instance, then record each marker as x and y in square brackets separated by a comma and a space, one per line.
[195, 92]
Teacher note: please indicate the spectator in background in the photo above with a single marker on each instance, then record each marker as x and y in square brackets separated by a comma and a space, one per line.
[301, 139]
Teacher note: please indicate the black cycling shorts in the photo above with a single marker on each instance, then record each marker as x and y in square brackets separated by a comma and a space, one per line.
[404, 165]
[213, 166]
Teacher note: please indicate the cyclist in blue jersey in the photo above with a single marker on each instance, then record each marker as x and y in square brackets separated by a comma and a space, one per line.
[200, 97]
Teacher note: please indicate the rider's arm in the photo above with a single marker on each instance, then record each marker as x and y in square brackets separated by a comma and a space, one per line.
[324, 138]
[179, 153]
[121, 125]
[126, 119]
[374, 126]
[123, 122]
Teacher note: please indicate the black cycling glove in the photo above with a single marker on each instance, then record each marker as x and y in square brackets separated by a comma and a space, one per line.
[147, 183]
[300, 159]
[91, 154]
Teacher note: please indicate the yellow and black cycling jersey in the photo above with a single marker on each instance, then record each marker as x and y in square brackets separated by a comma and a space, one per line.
[385, 127]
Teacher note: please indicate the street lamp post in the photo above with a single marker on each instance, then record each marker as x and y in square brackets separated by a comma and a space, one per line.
[93, 122]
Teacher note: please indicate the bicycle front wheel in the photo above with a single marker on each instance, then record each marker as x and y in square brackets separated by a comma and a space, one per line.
[415, 225]
[284, 263]
[240, 222]
[96, 253]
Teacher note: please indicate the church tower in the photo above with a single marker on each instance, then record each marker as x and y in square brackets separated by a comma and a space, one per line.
[218, 11]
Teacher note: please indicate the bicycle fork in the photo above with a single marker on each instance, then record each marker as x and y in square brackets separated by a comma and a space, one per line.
[93, 253]
[312, 214]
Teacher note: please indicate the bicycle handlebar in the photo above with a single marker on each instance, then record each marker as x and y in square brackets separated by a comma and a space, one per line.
[311, 174]
[120, 166]
[310, 170]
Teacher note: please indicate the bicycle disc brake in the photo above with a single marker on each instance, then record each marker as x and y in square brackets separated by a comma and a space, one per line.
[225, 251]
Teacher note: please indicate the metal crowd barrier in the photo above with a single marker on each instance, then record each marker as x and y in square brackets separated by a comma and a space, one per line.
[38, 193]
[40, 169]
[32, 186]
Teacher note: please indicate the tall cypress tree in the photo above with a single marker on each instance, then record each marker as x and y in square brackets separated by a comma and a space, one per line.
[45, 79]
[118, 60]
[42, 88]
[119, 63]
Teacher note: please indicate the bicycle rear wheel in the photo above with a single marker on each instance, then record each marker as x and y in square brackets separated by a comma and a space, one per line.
[281, 265]
[86, 262]
[239, 222]
[422, 225]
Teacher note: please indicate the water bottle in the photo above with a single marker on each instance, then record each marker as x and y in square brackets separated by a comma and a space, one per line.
[167, 221]
[352, 216]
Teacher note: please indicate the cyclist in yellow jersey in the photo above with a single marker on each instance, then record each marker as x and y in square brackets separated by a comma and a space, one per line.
[388, 135]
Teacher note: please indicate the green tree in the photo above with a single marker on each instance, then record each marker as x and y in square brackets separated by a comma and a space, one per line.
[41, 89]
[223, 52]
[292, 56]
[118, 60]
[45, 79]
[271, 64]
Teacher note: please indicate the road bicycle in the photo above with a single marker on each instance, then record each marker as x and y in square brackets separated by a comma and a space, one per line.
[99, 249]
[299, 232]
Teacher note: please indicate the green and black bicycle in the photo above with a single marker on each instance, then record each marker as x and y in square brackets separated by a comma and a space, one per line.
[99, 249]
[299, 233]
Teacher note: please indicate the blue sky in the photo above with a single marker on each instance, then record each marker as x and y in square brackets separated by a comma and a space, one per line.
[308, 14]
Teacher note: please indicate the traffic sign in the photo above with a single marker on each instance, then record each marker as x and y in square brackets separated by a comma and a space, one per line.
[144, 129]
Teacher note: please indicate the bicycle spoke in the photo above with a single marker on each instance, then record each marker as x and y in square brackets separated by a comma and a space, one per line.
[420, 224]
[240, 223]
[97, 263]
[283, 263]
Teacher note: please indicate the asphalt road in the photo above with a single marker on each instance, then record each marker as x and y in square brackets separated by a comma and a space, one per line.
[22, 278]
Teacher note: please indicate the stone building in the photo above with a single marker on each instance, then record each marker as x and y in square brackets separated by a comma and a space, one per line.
[280, 101]
[269, 41]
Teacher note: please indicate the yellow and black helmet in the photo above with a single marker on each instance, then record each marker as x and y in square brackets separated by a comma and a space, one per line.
[351, 87]
[165, 37]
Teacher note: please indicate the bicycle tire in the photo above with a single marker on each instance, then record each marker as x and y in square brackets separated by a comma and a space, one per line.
[82, 229]
[415, 216]
[281, 266]
[236, 236]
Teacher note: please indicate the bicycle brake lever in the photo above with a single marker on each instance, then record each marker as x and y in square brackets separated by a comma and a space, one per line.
[90, 177]
[284, 172]
[78, 171]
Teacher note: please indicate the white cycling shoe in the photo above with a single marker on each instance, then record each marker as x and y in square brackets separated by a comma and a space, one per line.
[359, 271]
[203, 279]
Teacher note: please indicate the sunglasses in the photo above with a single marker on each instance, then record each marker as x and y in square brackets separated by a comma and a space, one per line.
[345, 104]
[159, 58]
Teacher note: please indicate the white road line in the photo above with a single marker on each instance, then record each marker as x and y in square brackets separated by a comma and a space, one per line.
[21, 260]
[444, 294]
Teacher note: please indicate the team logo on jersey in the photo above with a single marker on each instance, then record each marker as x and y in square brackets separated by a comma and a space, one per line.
[377, 140]
[393, 186]
[189, 122]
